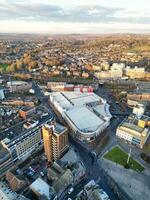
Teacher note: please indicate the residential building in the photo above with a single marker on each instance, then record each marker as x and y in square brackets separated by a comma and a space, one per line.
[134, 131]
[135, 73]
[55, 139]
[103, 74]
[140, 95]
[20, 102]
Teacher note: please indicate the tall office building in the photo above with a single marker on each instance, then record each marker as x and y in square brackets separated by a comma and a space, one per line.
[55, 140]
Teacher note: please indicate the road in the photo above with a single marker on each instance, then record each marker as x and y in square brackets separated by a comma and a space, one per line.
[93, 169]
[43, 99]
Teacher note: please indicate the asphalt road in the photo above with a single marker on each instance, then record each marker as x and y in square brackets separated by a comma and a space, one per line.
[93, 169]
[43, 99]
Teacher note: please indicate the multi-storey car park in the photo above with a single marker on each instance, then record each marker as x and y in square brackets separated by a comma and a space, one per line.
[86, 113]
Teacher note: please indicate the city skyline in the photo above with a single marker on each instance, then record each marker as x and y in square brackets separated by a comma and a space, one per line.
[64, 17]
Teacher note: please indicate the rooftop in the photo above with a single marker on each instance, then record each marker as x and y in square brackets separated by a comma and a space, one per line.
[131, 123]
[84, 119]
[27, 108]
[87, 111]
[14, 134]
[40, 187]
[59, 128]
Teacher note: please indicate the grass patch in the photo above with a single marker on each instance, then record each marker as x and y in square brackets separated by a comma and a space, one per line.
[117, 155]
[3, 67]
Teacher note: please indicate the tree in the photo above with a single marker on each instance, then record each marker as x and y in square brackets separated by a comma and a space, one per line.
[11, 68]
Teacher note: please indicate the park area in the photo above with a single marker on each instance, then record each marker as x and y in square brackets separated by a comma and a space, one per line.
[3, 67]
[118, 156]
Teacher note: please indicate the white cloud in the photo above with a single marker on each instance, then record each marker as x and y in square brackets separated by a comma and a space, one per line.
[79, 16]
[64, 28]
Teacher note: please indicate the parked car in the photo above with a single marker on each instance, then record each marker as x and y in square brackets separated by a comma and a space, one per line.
[70, 190]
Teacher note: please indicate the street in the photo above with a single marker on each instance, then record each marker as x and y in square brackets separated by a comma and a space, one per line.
[93, 169]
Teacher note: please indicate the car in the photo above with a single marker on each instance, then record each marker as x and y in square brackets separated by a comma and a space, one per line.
[42, 174]
[93, 154]
[70, 190]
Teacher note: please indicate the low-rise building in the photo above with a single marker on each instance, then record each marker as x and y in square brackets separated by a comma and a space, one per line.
[61, 178]
[42, 189]
[56, 86]
[139, 109]
[135, 73]
[134, 131]
[7, 194]
[92, 191]
[18, 86]
[24, 112]
[103, 74]
[16, 183]
[140, 95]
[20, 101]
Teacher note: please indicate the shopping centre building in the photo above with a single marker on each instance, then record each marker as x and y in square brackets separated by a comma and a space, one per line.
[86, 113]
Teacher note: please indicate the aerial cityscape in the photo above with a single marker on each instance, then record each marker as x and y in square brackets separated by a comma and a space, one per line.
[74, 100]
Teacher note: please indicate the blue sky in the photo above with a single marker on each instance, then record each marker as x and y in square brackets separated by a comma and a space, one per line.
[78, 16]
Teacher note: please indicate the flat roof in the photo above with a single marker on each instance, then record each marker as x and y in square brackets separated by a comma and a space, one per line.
[133, 127]
[84, 119]
[87, 111]
[41, 187]
[13, 134]
[59, 128]
[27, 108]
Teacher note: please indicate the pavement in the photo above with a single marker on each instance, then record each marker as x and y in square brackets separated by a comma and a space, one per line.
[136, 185]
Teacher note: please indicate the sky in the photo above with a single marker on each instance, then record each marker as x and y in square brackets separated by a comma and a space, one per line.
[74, 16]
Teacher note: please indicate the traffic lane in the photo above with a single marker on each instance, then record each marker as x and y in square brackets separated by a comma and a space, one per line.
[40, 95]
[93, 169]
[77, 189]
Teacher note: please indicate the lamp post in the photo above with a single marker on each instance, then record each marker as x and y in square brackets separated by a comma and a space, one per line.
[129, 155]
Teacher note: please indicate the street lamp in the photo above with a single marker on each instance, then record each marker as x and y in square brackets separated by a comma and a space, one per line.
[129, 155]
